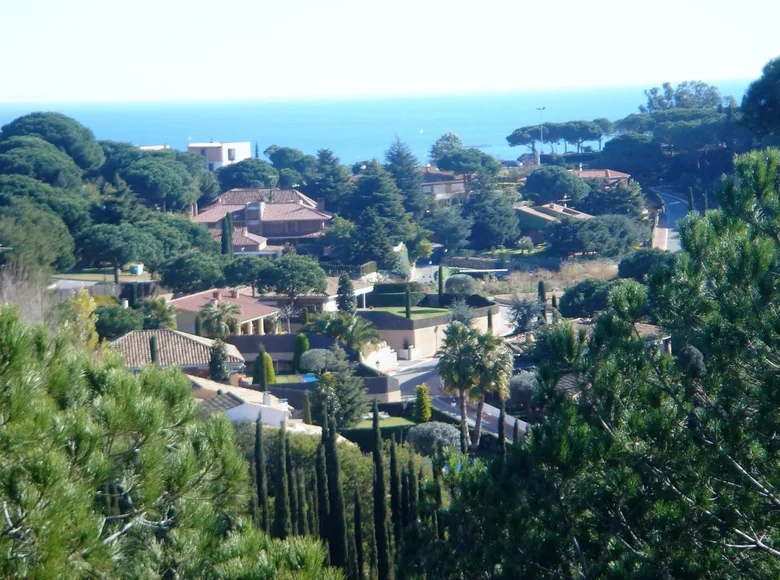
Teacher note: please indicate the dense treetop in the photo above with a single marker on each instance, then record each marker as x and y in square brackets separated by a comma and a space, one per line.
[61, 131]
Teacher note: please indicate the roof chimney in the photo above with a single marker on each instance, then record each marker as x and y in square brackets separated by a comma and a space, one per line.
[321, 204]
[234, 292]
[267, 398]
[215, 296]
[261, 209]
[580, 167]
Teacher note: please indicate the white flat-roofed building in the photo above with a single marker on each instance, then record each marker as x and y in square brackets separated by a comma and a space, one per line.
[221, 154]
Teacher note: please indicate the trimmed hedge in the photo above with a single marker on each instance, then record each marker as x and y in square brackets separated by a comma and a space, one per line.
[364, 438]
[397, 287]
[394, 299]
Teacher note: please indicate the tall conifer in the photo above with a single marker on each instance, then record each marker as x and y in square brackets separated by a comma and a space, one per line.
[260, 476]
[323, 503]
[395, 493]
[282, 522]
[292, 488]
[502, 431]
[303, 509]
[337, 538]
[359, 555]
[384, 570]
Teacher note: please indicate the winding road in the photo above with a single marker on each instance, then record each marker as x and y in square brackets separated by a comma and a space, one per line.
[667, 234]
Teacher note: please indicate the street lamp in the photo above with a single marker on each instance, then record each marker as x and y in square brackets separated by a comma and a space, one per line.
[541, 131]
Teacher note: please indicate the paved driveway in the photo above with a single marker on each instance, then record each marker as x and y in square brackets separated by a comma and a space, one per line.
[676, 209]
[425, 372]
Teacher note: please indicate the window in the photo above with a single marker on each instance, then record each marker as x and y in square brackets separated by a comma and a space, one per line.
[231, 154]
[203, 152]
[211, 167]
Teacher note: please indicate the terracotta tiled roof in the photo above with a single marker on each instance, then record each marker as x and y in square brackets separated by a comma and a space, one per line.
[240, 237]
[285, 212]
[214, 213]
[270, 196]
[220, 403]
[174, 348]
[250, 309]
[606, 174]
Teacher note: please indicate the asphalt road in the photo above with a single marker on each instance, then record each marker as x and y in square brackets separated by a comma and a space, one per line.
[676, 209]
[425, 372]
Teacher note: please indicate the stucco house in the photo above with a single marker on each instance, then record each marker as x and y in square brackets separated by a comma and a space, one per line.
[188, 352]
[250, 316]
[247, 243]
[279, 215]
[315, 301]
[221, 154]
[240, 404]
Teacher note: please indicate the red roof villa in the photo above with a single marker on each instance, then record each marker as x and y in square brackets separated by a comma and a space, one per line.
[278, 216]
[250, 318]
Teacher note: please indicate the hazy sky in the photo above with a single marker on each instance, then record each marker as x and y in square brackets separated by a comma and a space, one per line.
[123, 50]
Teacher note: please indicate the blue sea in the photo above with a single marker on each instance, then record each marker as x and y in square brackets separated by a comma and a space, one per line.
[355, 129]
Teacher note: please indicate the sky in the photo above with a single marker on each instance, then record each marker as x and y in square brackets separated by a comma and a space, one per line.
[183, 50]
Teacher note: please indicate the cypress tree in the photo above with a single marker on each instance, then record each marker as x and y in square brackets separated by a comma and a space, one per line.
[359, 556]
[352, 569]
[441, 284]
[554, 302]
[306, 409]
[490, 320]
[422, 404]
[323, 504]
[541, 293]
[414, 492]
[346, 299]
[380, 505]
[292, 488]
[301, 346]
[305, 314]
[133, 296]
[153, 350]
[303, 509]
[395, 493]
[229, 218]
[253, 495]
[705, 202]
[691, 205]
[502, 432]
[408, 303]
[270, 374]
[261, 476]
[314, 508]
[516, 433]
[282, 522]
[227, 249]
[337, 538]
[404, 507]
[218, 365]
[437, 482]
[259, 376]
[198, 325]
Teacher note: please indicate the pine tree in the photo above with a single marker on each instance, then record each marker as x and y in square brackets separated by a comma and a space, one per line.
[395, 494]
[359, 555]
[261, 477]
[227, 249]
[422, 404]
[380, 504]
[541, 293]
[270, 374]
[303, 509]
[441, 284]
[198, 325]
[153, 350]
[306, 409]
[218, 365]
[516, 433]
[404, 167]
[408, 303]
[301, 346]
[346, 299]
[282, 521]
[332, 181]
[292, 488]
[323, 502]
[337, 537]
[691, 205]
[259, 376]
[502, 431]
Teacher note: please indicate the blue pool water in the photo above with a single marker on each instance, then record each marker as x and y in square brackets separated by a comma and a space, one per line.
[309, 378]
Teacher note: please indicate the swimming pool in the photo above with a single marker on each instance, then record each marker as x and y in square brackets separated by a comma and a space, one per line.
[309, 378]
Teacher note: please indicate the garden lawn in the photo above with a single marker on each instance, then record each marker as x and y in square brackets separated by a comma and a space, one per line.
[389, 422]
[293, 378]
[417, 311]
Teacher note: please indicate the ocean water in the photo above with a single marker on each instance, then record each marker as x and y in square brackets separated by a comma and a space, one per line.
[355, 129]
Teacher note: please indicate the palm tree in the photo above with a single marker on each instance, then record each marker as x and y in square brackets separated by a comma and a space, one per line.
[495, 367]
[218, 317]
[351, 330]
[158, 314]
[458, 368]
